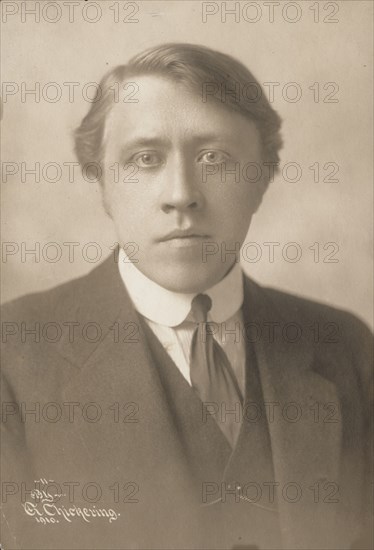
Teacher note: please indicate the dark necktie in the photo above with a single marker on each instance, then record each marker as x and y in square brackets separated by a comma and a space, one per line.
[212, 376]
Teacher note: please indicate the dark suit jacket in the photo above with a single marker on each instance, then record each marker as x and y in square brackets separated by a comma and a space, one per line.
[120, 432]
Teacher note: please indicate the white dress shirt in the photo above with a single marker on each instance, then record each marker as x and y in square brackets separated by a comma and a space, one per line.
[167, 313]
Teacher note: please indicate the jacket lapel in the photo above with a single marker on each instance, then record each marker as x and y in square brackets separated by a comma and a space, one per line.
[305, 448]
[136, 432]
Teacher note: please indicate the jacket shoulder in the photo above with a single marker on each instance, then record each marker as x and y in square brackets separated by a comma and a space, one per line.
[304, 310]
[86, 293]
[42, 304]
[342, 343]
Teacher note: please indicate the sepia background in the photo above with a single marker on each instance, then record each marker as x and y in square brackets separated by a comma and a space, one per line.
[312, 51]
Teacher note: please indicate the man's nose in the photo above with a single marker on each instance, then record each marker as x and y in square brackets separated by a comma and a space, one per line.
[181, 191]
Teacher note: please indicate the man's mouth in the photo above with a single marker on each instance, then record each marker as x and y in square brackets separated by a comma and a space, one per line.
[182, 238]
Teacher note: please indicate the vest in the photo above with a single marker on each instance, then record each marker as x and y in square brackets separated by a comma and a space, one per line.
[234, 487]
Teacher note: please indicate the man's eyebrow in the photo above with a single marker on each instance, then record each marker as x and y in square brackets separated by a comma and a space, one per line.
[158, 141]
[202, 138]
[144, 142]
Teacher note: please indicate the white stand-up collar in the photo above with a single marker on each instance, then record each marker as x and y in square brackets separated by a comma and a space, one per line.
[169, 308]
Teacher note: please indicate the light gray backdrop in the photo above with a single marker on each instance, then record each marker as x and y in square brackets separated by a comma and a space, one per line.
[310, 52]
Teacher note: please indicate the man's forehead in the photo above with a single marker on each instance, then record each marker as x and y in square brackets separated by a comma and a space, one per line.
[165, 109]
[144, 88]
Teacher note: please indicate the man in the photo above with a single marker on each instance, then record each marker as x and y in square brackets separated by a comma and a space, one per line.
[155, 416]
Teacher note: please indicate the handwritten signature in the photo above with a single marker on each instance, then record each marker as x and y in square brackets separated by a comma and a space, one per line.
[44, 509]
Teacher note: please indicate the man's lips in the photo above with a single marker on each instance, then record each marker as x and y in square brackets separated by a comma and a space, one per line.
[180, 234]
[184, 238]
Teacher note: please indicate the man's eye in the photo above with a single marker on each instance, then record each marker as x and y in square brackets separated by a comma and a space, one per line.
[212, 157]
[147, 160]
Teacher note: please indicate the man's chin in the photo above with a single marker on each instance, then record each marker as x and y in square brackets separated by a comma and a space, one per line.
[187, 281]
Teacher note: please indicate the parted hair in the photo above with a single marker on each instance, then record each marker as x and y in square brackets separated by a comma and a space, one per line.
[213, 75]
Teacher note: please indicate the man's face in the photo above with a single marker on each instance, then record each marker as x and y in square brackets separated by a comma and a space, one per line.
[178, 151]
